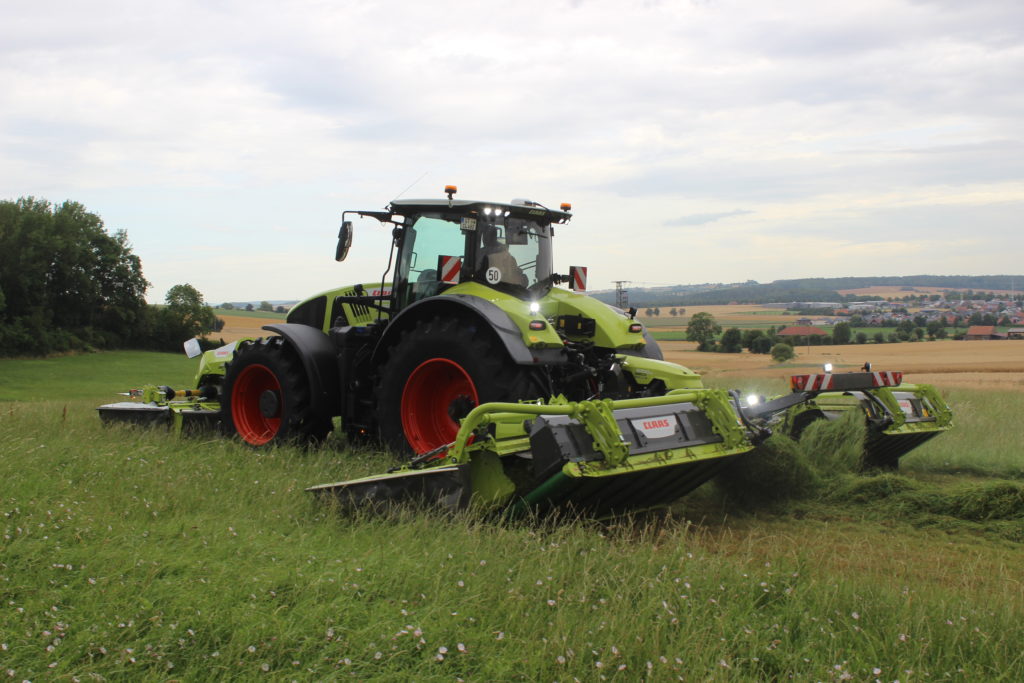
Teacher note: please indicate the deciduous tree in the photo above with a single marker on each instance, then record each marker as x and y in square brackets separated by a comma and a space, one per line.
[67, 282]
[782, 352]
[703, 329]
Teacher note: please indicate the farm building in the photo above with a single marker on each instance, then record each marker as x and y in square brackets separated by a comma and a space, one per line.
[981, 332]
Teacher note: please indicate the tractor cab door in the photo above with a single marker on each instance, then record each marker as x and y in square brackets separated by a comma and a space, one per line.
[424, 242]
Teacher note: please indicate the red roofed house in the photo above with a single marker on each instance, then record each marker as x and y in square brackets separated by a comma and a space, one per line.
[981, 332]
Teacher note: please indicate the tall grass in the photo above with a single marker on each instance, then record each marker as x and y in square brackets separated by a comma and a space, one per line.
[127, 554]
[986, 438]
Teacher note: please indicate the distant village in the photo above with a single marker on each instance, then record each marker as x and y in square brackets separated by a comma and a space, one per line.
[981, 317]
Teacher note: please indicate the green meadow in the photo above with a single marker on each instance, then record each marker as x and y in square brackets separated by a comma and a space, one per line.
[128, 554]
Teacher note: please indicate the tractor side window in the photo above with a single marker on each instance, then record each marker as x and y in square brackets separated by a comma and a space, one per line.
[425, 241]
[524, 244]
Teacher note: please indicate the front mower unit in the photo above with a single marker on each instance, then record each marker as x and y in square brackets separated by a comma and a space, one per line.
[184, 411]
[599, 456]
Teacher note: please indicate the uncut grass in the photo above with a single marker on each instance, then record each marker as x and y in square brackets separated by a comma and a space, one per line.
[986, 438]
[129, 554]
[96, 376]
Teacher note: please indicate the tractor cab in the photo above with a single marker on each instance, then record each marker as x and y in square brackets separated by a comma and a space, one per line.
[442, 243]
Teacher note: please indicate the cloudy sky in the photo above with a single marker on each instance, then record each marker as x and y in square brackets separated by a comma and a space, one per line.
[698, 141]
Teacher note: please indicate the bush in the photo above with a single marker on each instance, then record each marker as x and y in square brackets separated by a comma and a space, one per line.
[782, 352]
[731, 341]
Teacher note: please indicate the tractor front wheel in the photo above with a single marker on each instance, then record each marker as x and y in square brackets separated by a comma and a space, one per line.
[438, 372]
[265, 398]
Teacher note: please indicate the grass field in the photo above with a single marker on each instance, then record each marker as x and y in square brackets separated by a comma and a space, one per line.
[95, 376]
[130, 555]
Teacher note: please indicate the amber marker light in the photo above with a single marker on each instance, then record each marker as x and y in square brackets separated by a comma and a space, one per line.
[566, 206]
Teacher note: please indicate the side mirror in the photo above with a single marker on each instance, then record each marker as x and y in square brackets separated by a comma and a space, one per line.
[344, 241]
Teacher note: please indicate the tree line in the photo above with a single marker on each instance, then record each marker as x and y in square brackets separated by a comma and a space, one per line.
[67, 284]
[708, 333]
[819, 289]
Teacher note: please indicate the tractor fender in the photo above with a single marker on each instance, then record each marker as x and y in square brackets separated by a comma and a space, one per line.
[463, 305]
[319, 359]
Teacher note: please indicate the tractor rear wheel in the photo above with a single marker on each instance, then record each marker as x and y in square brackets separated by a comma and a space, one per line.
[438, 372]
[265, 398]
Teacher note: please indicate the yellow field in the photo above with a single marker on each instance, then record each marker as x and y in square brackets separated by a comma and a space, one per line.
[239, 326]
[729, 315]
[995, 364]
[992, 364]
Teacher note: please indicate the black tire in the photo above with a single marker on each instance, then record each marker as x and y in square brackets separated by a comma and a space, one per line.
[430, 378]
[265, 398]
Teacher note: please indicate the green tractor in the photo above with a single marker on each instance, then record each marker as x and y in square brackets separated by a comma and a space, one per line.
[495, 384]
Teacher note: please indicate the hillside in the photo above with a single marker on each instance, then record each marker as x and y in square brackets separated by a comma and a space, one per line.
[807, 289]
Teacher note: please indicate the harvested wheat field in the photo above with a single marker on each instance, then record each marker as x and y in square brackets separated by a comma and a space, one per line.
[995, 364]
[240, 326]
[729, 315]
[992, 364]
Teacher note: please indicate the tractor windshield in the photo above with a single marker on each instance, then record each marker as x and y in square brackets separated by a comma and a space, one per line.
[512, 251]
[500, 251]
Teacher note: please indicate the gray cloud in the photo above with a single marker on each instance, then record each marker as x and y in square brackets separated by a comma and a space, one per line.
[705, 218]
[867, 119]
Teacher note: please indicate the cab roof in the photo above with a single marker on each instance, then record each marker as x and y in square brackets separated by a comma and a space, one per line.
[472, 207]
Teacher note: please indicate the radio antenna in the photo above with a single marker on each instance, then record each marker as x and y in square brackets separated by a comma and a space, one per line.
[414, 183]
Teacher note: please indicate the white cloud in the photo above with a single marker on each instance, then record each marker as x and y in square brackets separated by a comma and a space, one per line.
[698, 141]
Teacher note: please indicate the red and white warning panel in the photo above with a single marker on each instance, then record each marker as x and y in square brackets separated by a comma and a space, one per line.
[849, 381]
[578, 278]
[450, 268]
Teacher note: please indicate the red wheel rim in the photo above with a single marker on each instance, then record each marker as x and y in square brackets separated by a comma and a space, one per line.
[429, 392]
[253, 426]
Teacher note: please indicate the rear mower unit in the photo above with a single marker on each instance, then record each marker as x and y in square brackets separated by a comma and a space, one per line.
[495, 385]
